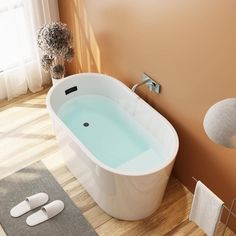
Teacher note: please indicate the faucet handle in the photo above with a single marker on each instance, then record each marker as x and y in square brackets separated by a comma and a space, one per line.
[152, 84]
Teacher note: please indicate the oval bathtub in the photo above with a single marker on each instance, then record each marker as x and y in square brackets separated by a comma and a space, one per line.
[119, 147]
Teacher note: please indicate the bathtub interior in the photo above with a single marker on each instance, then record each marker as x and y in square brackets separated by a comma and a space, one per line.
[163, 135]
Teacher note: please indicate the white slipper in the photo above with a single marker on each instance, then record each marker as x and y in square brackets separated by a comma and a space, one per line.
[48, 211]
[28, 204]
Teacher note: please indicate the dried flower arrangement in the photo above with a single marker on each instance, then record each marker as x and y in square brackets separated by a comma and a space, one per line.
[55, 42]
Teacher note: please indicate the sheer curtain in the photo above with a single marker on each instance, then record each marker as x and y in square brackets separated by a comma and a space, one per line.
[20, 68]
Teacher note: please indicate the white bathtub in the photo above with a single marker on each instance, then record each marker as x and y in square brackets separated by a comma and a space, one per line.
[124, 194]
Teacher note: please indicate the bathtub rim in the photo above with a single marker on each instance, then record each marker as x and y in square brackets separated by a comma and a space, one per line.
[53, 115]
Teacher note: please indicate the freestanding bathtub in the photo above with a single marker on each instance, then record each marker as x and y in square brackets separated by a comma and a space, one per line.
[121, 150]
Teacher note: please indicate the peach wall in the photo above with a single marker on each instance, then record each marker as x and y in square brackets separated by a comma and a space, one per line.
[188, 46]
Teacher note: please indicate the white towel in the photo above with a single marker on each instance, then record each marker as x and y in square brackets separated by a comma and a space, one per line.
[206, 209]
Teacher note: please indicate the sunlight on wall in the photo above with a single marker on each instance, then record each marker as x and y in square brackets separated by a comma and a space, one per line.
[86, 47]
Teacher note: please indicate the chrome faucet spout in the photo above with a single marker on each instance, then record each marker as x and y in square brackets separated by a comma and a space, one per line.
[152, 84]
[140, 84]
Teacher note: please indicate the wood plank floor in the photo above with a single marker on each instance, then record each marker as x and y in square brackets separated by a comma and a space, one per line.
[26, 136]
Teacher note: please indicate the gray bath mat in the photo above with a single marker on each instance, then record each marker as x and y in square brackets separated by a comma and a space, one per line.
[26, 182]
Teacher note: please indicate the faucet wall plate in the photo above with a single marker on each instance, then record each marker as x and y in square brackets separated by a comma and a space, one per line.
[152, 84]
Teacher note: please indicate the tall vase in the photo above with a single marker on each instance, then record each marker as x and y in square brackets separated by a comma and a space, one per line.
[57, 70]
[55, 81]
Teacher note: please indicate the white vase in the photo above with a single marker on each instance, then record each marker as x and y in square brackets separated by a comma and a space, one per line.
[55, 81]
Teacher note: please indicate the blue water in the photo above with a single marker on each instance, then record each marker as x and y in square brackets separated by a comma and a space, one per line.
[110, 133]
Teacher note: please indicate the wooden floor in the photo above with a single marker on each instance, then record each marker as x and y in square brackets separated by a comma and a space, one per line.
[26, 136]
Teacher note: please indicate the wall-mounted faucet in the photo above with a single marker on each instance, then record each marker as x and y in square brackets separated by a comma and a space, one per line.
[152, 85]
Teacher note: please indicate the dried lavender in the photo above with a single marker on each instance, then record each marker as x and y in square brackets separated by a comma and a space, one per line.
[46, 62]
[58, 71]
[55, 41]
[69, 54]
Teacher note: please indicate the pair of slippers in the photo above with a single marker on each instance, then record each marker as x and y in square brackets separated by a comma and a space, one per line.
[46, 212]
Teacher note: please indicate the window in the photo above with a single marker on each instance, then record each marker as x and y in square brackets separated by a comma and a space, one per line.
[14, 40]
